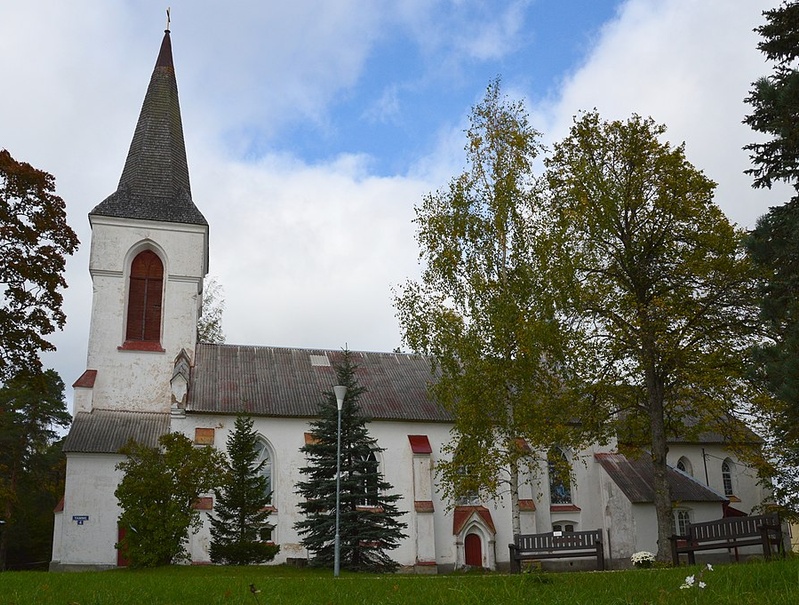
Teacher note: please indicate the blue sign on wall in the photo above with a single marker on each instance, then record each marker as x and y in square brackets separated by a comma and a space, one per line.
[79, 519]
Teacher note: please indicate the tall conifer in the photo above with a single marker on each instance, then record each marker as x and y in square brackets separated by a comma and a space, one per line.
[240, 510]
[369, 523]
[774, 245]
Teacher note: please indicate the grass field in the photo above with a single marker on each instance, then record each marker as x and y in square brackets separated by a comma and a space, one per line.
[775, 583]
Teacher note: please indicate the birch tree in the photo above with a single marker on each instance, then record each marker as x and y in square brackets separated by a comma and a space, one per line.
[483, 311]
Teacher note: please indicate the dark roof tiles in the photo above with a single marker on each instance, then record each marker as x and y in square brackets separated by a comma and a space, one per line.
[155, 180]
[273, 381]
[105, 431]
[635, 478]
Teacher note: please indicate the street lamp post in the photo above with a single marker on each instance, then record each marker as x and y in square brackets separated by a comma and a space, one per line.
[340, 392]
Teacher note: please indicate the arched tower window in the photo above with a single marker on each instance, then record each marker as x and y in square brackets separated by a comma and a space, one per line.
[726, 477]
[560, 491]
[145, 297]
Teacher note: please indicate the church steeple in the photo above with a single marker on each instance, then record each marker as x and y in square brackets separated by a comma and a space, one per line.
[155, 180]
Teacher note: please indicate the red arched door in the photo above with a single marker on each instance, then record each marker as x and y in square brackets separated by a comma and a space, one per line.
[474, 550]
[122, 555]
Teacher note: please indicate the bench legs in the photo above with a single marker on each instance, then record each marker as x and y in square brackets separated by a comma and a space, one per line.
[515, 564]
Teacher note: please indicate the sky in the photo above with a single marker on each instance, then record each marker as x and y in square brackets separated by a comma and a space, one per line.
[313, 128]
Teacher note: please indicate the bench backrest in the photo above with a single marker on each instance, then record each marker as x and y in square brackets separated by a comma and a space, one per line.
[732, 527]
[552, 541]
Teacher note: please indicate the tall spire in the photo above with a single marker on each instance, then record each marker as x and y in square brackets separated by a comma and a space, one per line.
[155, 180]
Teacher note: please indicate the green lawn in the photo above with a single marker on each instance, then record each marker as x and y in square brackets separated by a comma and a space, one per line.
[757, 582]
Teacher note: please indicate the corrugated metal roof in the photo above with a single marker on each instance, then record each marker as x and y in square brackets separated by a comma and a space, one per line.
[635, 477]
[105, 431]
[273, 381]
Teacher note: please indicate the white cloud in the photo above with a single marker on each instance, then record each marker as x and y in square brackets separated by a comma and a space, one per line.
[386, 108]
[308, 254]
[496, 34]
[689, 65]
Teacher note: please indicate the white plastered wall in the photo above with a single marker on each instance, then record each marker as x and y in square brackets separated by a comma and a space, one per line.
[286, 436]
[139, 380]
[88, 525]
[706, 461]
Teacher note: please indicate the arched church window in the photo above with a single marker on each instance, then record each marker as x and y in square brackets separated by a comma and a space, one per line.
[469, 497]
[682, 519]
[264, 462]
[368, 479]
[684, 465]
[726, 477]
[145, 297]
[559, 477]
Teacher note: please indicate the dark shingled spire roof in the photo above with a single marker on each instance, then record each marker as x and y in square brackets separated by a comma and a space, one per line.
[155, 181]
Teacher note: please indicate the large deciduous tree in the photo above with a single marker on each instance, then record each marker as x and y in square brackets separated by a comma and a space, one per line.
[34, 239]
[774, 243]
[369, 525]
[658, 283]
[242, 501]
[32, 408]
[483, 309]
[158, 493]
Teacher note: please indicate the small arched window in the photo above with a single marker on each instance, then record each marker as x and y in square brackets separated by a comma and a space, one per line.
[144, 298]
[264, 461]
[684, 465]
[682, 519]
[560, 491]
[564, 527]
[726, 477]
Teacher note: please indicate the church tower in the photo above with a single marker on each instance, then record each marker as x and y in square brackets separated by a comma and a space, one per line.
[149, 254]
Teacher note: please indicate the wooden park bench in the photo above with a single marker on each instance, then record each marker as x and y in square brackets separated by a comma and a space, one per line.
[556, 545]
[731, 533]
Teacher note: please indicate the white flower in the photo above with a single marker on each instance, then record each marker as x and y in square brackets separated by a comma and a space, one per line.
[689, 581]
[709, 567]
[642, 557]
[702, 584]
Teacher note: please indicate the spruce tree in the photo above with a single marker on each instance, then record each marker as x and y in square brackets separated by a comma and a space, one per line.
[369, 523]
[774, 246]
[240, 511]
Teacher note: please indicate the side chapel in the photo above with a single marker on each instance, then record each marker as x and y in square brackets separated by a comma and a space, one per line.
[147, 375]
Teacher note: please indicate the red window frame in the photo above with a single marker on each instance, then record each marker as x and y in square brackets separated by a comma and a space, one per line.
[145, 297]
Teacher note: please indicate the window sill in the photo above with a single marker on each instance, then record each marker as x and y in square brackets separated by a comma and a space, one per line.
[142, 345]
[369, 509]
[564, 508]
[732, 498]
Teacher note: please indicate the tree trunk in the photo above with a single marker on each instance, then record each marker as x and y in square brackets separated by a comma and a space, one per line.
[514, 498]
[663, 502]
[6, 525]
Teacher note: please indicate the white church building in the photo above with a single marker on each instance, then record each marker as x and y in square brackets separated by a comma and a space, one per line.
[147, 375]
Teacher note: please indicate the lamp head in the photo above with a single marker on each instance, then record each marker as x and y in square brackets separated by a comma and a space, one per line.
[340, 392]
